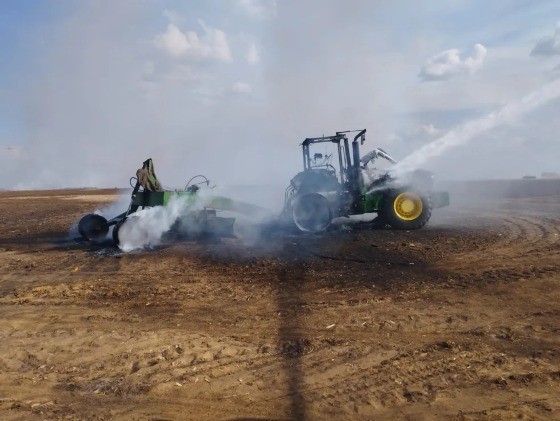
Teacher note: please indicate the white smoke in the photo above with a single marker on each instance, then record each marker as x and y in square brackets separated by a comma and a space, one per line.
[145, 228]
[116, 207]
[113, 94]
[511, 112]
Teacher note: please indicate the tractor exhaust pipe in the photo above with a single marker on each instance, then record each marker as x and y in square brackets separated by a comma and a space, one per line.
[357, 181]
[362, 135]
[356, 152]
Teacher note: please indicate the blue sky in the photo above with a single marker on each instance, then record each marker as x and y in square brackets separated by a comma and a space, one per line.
[89, 89]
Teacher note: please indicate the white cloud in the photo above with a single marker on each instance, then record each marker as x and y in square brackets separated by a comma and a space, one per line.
[252, 55]
[212, 45]
[428, 129]
[258, 9]
[548, 46]
[448, 64]
[241, 88]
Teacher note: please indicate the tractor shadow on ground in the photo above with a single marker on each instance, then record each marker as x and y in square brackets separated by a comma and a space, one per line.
[291, 342]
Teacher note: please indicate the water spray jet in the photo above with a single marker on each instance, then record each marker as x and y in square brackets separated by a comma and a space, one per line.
[468, 131]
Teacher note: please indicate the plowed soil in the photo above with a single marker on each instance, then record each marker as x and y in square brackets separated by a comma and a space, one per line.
[459, 320]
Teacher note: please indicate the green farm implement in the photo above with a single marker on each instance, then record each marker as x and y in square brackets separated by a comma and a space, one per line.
[199, 211]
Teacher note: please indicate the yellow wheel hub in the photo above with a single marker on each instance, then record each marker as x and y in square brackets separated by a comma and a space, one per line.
[408, 206]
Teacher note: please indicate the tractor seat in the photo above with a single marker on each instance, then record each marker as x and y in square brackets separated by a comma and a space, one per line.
[147, 177]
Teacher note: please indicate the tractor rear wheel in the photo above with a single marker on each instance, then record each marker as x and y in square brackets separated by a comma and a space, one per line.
[311, 212]
[93, 227]
[406, 209]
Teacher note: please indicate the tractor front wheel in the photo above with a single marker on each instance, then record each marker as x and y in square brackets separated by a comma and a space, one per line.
[406, 209]
[93, 227]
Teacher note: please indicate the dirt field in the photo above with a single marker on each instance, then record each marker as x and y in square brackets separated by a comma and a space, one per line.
[456, 321]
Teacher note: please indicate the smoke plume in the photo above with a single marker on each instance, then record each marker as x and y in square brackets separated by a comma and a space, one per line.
[146, 227]
[231, 92]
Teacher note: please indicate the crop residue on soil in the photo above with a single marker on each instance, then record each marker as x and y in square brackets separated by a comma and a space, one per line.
[458, 321]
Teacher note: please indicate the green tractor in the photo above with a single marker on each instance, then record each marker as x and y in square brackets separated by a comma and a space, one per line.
[196, 214]
[321, 192]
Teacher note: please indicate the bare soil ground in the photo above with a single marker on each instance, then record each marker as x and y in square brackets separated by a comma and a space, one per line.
[457, 321]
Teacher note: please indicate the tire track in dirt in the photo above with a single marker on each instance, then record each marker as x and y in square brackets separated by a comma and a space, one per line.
[523, 241]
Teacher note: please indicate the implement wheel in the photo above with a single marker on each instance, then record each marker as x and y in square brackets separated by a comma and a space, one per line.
[406, 209]
[93, 227]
